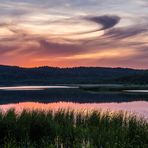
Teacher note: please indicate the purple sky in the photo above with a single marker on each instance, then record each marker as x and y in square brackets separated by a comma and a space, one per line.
[68, 33]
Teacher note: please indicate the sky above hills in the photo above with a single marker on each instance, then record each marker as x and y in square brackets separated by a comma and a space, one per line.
[69, 33]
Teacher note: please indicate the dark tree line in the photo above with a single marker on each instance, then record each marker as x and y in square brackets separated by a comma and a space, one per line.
[85, 75]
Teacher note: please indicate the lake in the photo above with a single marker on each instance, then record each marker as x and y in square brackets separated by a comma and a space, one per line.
[55, 97]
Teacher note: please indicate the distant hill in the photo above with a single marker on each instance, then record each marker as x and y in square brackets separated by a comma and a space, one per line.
[10, 75]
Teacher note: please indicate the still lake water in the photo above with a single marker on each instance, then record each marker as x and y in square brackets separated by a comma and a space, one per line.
[71, 97]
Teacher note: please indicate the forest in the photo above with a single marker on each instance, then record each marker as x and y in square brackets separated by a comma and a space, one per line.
[11, 75]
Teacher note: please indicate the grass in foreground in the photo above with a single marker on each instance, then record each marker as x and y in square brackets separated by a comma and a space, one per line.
[38, 129]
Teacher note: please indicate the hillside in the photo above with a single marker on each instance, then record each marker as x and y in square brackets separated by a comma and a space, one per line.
[10, 75]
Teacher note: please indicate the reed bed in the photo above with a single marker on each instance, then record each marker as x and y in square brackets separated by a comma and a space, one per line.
[67, 129]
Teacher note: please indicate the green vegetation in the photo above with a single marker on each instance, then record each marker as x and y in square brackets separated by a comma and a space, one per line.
[39, 129]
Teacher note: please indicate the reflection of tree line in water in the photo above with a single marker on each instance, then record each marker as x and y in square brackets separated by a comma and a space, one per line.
[72, 95]
[38, 129]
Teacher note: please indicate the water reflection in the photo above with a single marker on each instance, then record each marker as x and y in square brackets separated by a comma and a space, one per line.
[136, 91]
[140, 108]
[67, 95]
[22, 88]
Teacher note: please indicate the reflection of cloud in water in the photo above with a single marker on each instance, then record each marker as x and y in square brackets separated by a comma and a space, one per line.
[34, 87]
[140, 108]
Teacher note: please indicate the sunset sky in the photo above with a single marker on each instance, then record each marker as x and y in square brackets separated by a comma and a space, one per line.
[68, 33]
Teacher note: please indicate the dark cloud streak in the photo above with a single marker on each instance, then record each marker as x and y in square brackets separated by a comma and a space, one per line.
[126, 32]
[107, 21]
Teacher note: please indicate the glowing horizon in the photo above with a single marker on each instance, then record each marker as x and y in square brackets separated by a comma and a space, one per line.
[74, 33]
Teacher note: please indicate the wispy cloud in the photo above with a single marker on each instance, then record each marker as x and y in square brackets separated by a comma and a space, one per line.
[74, 33]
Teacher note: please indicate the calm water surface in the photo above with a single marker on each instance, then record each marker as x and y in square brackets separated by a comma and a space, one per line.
[55, 97]
[21, 88]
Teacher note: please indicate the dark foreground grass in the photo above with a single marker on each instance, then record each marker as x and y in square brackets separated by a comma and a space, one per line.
[65, 129]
